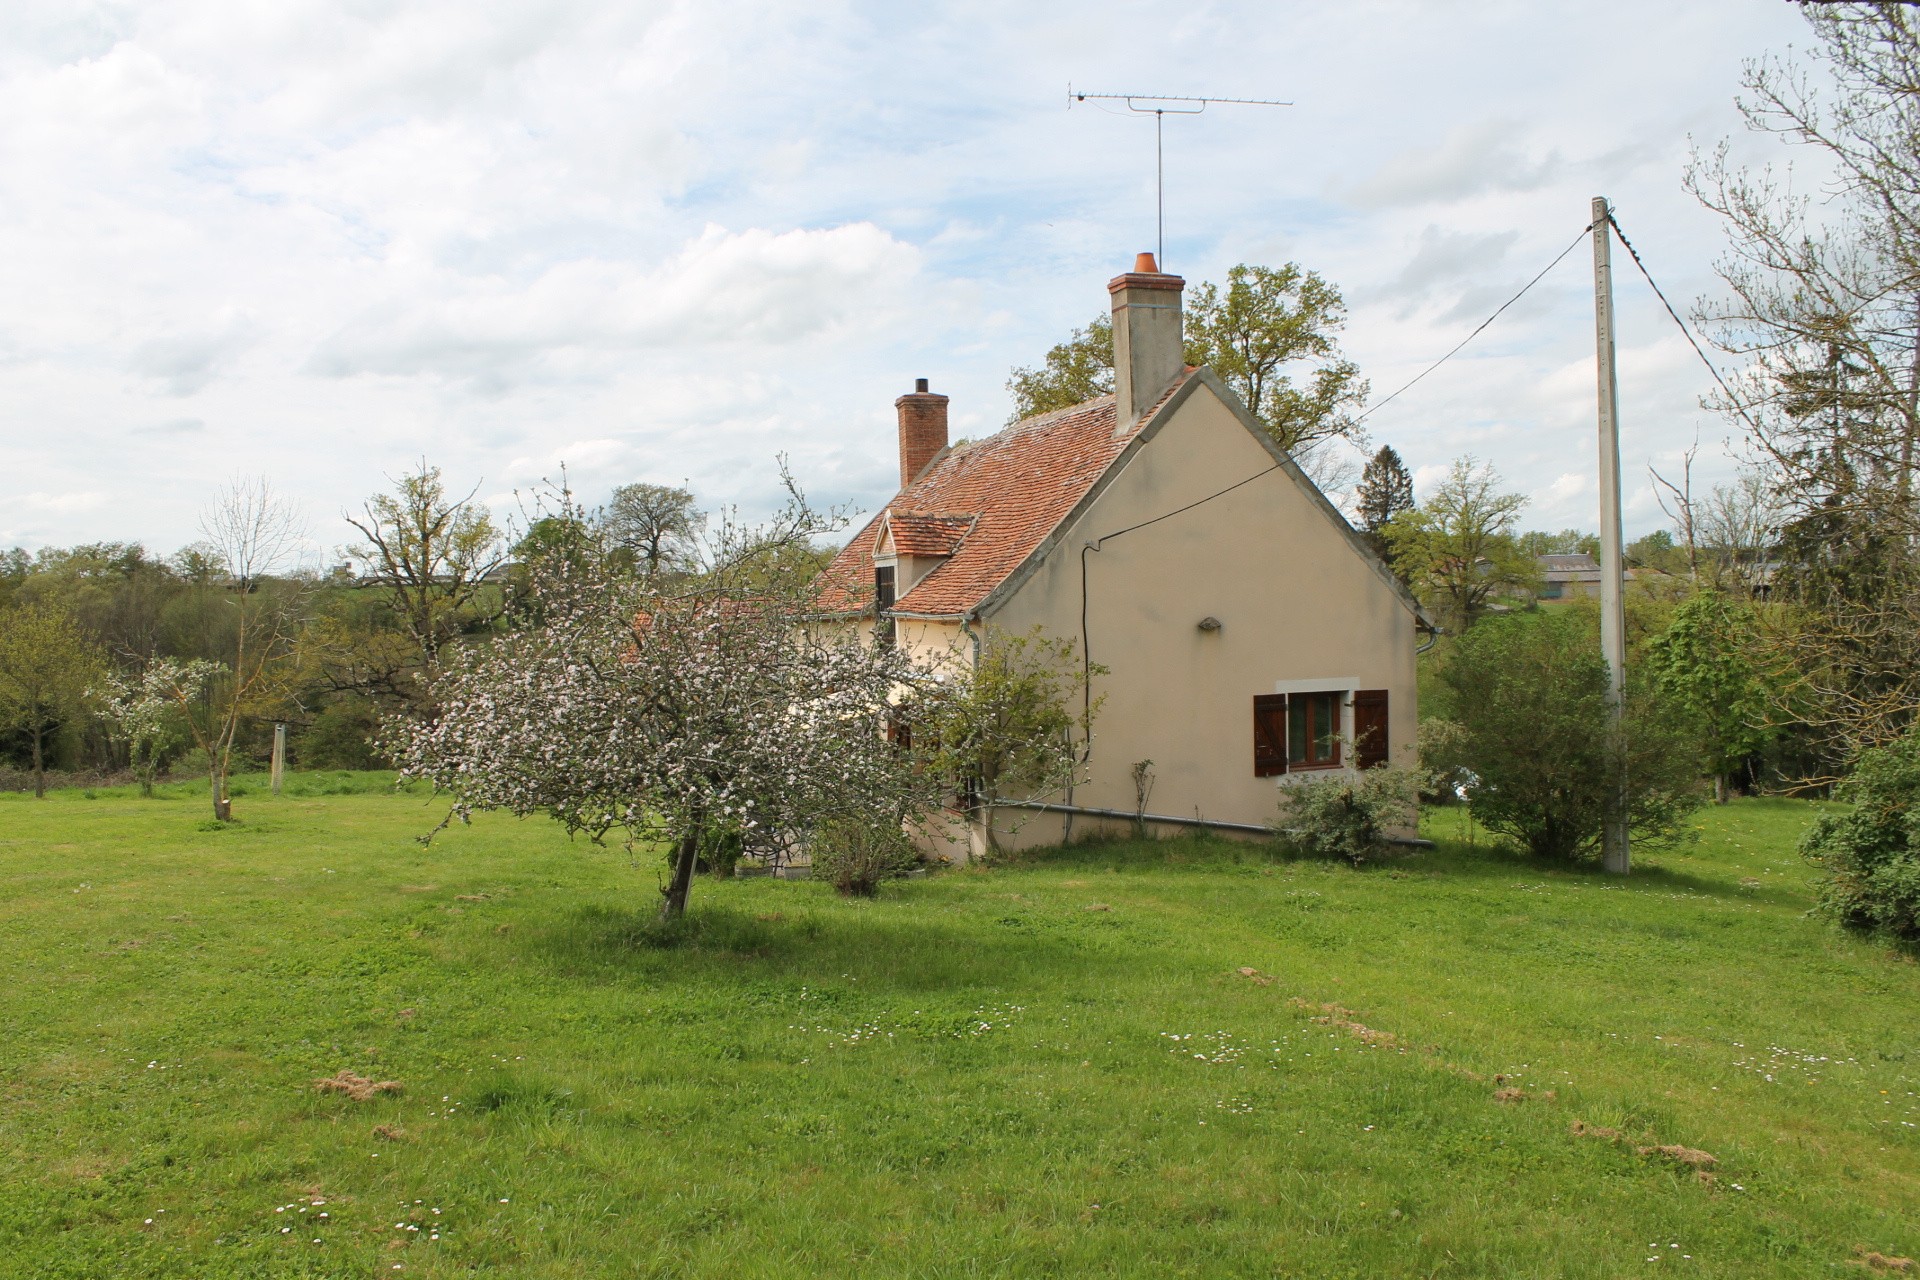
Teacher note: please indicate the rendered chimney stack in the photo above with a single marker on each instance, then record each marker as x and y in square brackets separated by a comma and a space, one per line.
[1149, 347]
[923, 429]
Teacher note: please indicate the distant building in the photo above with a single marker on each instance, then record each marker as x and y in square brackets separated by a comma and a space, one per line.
[1569, 577]
[1576, 576]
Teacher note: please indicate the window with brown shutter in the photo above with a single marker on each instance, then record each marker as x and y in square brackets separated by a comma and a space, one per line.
[1313, 730]
[1370, 745]
[1269, 734]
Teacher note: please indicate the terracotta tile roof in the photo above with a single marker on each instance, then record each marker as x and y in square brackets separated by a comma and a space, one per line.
[1018, 485]
[919, 535]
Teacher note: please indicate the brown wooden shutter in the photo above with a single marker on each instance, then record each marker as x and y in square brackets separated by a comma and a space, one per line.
[1269, 734]
[1370, 727]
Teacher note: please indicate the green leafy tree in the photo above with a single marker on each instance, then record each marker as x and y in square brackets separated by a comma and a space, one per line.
[1869, 856]
[15, 565]
[1458, 549]
[1271, 333]
[1708, 663]
[1658, 552]
[1567, 542]
[114, 590]
[656, 524]
[1819, 308]
[1528, 694]
[434, 555]
[47, 665]
[1073, 372]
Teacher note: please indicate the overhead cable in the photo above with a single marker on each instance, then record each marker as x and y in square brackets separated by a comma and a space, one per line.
[1685, 329]
[1381, 404]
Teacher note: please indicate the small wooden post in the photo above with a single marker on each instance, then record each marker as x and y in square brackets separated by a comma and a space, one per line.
[279, 756]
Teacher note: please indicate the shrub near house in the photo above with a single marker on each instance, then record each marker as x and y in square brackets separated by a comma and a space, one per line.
[1528, 693]
[1871, 855]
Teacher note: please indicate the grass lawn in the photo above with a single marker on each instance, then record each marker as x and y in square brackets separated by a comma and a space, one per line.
[1053, 1068]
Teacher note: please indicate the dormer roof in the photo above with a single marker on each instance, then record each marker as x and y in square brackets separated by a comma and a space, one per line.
[913, 534]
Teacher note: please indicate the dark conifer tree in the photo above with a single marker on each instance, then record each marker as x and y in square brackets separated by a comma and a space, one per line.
[1386, 489]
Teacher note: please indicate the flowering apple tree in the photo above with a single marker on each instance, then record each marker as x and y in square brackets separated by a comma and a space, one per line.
[659, 710]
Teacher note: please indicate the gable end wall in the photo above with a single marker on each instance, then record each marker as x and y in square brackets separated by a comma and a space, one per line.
[1297, 601]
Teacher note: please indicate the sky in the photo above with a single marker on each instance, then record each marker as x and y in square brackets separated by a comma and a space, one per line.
[319, 241]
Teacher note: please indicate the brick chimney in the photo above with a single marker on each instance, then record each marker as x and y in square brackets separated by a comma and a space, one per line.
[923, 429]
[1149, 348]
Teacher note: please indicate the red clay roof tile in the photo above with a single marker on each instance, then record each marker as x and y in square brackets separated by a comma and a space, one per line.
[923, 535]
[1018, 485]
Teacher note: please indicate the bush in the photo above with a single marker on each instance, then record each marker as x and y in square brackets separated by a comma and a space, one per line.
[341, 737]
[721, 848]
[1870, 856]
[855, 855]
[1347, 817]
[1529, 694]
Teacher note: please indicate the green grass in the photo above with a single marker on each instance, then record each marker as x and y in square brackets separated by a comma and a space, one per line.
[974, 1075]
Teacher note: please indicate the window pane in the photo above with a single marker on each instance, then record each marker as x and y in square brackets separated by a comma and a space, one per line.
[1313, 729]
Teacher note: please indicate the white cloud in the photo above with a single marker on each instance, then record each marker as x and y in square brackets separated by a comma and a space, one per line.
[672, 238]
[61, 503]
[752, 288]
[1474, 159]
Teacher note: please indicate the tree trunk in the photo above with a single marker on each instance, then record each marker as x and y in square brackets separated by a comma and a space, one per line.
[1720, 788]
[222, 803]
[684, 859]
[39, 766]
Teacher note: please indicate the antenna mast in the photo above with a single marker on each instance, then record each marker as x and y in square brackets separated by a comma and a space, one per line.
[1157, 108]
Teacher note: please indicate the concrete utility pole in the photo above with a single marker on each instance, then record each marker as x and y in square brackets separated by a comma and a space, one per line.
[1613, 624]
[279, 756]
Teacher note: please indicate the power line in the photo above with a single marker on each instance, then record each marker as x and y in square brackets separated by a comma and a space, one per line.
[1685, 329]
[1381, 404]
[1107, 537]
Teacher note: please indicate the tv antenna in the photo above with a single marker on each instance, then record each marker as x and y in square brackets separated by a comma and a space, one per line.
[1160, 106]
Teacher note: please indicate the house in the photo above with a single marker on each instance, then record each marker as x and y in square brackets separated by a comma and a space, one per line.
[1249, 636]
[1569, 577]
[1576, 576]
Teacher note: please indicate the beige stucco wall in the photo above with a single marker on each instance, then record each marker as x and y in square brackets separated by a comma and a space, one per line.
[1298, 607]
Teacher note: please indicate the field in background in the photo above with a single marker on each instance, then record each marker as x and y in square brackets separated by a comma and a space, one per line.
[1178, 1059]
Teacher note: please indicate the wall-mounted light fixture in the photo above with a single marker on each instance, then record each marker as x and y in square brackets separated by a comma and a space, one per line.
[1209, 623]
